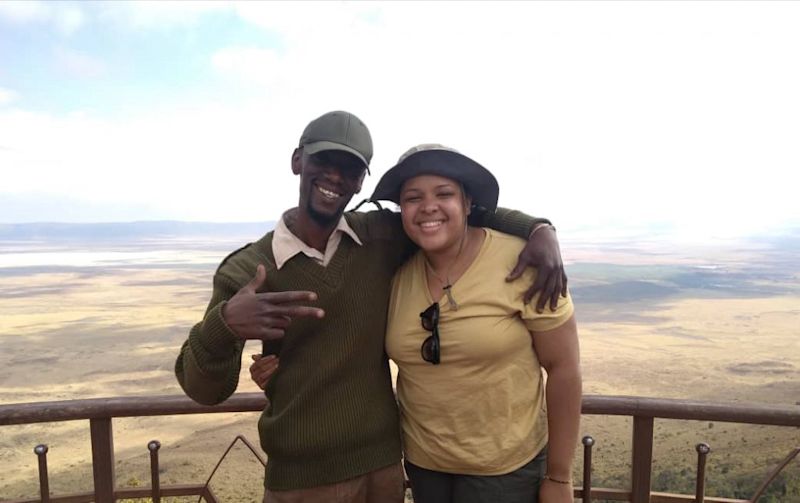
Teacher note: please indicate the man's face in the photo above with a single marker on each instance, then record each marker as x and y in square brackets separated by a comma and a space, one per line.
[328, 180]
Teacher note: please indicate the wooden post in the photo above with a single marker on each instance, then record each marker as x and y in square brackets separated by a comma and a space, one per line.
[102, 459]
[155, 482]
[209, 495]
[642, 459]
[44, 482]
[587, 442]
[700, 488]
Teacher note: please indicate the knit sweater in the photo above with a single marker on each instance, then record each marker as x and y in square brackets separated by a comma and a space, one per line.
[331, 413]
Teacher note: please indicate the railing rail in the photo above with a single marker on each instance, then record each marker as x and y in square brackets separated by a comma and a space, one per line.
[694, 410]
[101, 411]
[608, 405]
[135, 406]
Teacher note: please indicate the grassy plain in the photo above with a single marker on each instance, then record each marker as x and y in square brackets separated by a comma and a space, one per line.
[719, 323]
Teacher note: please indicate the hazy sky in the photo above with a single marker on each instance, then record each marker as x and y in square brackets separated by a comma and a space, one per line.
[682, 114]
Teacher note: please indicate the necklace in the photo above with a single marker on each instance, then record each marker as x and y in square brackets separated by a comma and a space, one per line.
[447, 285]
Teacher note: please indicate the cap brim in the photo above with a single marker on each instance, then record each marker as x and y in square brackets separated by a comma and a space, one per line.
[479, 182]
[321, 146]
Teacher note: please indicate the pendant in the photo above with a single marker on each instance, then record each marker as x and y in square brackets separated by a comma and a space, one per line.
[450, 300]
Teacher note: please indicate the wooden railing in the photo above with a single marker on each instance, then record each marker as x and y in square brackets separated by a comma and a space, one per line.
[101, 411]
[645, 410]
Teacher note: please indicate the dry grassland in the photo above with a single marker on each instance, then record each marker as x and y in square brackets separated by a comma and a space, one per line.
[729, 350]
[116, 332]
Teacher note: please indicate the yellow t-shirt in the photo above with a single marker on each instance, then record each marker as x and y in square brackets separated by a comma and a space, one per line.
[481, 411]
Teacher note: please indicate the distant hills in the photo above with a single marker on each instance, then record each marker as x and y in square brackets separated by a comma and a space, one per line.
[786, 240]
[130, 230]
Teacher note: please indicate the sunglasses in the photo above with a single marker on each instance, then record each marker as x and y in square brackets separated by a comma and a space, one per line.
[430, 321]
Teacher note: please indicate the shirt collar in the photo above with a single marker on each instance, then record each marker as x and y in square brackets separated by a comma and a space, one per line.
[285, 244]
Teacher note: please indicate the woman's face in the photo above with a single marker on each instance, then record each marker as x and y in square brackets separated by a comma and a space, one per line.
[433, 210]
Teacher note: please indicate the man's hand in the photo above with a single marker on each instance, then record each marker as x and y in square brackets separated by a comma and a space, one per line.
[553, 492]
[262, 369]
[542, 252]
[265, 316]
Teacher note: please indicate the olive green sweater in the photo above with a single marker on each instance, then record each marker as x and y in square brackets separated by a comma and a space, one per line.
[332, 414]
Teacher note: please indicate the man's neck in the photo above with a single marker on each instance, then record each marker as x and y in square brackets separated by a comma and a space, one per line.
[309, 230]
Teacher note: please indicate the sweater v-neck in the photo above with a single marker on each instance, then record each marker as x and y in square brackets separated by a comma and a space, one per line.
[331, 276]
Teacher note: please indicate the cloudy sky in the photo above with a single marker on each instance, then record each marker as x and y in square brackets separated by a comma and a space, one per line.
[604, 114]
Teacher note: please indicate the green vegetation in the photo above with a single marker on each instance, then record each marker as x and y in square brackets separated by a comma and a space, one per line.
[785, 488]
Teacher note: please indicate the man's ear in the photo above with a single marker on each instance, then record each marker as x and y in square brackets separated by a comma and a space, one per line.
[467, 205]
[360, 181]
[297, 161]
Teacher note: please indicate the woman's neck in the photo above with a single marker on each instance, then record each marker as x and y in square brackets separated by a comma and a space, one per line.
[451, 262]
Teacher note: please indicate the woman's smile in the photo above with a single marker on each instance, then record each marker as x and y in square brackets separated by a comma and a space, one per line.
[431, 226]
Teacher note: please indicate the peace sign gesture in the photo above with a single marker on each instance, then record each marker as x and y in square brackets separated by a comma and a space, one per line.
[266, 315]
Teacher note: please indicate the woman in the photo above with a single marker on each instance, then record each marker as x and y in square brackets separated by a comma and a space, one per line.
[478, 424]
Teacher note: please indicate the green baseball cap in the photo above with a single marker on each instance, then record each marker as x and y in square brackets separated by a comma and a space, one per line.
[338, 131]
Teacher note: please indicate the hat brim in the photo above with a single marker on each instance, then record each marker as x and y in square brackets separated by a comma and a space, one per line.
[321, 146]
[478, 181]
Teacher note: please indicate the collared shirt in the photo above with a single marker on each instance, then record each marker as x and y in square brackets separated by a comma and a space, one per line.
[286, 245]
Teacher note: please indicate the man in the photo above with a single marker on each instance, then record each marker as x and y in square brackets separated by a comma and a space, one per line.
[331, 428]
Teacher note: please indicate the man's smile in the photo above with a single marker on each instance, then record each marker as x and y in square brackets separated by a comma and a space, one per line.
[328, 194]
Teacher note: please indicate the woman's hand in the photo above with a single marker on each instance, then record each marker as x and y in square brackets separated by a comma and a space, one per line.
[263, 368]
[554, 492]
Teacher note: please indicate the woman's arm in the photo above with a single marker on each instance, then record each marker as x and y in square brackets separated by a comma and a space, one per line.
[559, 354]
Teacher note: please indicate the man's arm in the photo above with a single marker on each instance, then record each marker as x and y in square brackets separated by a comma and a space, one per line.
[208, 365]
[541, 251]
[505, 220]
[210, 360]
[384, 225]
